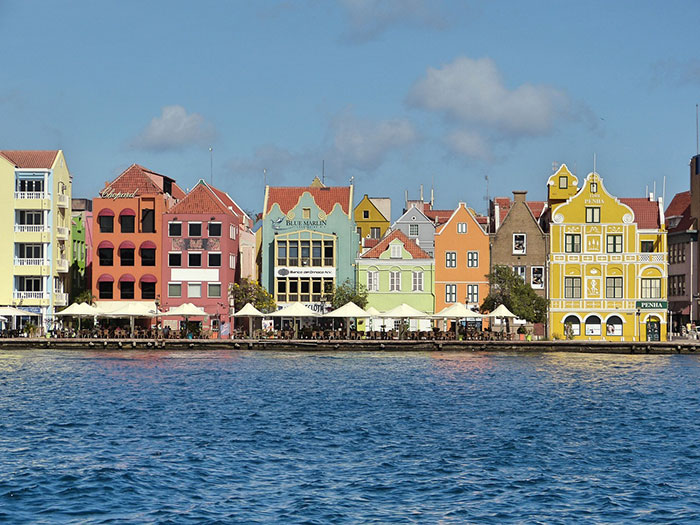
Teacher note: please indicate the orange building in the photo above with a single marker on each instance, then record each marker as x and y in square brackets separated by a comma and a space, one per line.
[127, 237]
[461, 260]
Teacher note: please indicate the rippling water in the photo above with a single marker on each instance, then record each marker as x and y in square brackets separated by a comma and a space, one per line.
[217, 436]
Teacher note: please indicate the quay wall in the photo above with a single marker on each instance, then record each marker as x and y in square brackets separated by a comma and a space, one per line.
[666, 347]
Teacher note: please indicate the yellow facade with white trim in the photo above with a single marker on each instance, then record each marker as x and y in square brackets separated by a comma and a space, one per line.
[602, 286]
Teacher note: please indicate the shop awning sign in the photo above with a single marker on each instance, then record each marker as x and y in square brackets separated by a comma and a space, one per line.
[652, 305]
[295, 271]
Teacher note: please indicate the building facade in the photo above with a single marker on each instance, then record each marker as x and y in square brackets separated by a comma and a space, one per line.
[462, 260]
[518, 240]
[128, 237]
[308, 243]
[607, 263]
[397, 271]
[37, 213]
[372, 217]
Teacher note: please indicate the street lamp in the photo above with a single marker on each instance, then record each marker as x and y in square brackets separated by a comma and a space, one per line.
[157, 320]
[639, 329]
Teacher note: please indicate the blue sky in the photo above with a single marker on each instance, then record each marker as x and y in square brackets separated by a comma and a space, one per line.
[393, 93]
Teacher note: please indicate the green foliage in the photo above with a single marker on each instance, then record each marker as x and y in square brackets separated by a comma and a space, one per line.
[510, 290]
[249, 291]
[84, 297]
[347, 292]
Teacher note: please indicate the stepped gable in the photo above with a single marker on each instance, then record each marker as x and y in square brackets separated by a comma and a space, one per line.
[27, 159]
[680, 207]
[201, 199]
[325, 197]
[410, 246]
[135, 178]
[646, 212]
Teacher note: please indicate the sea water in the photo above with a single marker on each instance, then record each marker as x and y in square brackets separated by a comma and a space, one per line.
[302, 437]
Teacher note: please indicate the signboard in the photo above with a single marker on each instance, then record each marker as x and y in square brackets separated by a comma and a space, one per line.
[109, 193]
[225, 329]
[282, 223]
[295, 271]
[320, 308]
[652, 305]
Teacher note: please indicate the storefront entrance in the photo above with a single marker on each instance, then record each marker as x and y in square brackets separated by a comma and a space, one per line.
[653, 329]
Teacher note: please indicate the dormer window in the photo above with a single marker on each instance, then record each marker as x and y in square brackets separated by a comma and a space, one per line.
[396, 251]
[563, 182]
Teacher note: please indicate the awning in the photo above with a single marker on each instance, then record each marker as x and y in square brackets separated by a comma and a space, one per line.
[147, 245]
[105, 212]
[127, 278]
[127, 211]
[127, 245]
[105, 244]
[105, 278]
[148, 278]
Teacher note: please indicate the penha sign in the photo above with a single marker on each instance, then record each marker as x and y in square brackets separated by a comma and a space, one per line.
[652, 305]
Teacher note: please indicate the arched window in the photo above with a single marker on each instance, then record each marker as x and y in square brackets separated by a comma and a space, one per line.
[592, 325]
[613, 326]
[575, 324]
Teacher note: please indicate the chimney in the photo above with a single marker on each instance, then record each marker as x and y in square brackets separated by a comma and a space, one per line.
[432, 197]
[421, 192]
[519, 196]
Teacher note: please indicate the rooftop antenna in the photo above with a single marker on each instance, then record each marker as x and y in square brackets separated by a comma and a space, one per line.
[432, 193]
[211, 165]
[488, 198]
[264, 178]
[646, 191]
[663, 191]
[697, 143]
[594, 162]
[323, 171]
[654, 189]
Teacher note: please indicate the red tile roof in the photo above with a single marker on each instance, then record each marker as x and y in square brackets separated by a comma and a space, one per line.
[370, 242]
[536, 207]
[201, 199]
[383, 245]
[135, 178]
[31, 159]
[646, 212]
[505, 204]
[228, 201]
[438, 216]
[325, 198]
[680, 207]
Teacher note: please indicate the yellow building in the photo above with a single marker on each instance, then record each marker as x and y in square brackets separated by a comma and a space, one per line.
[607, 264]
[372, 217]
[36, 199]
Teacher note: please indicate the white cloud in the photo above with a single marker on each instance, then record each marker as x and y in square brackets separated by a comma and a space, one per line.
[470, 144]
[364, 144]
[471, 91]
[174, 129]
[367, 19]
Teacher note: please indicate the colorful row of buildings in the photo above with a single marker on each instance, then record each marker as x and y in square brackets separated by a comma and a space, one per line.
[611, 268]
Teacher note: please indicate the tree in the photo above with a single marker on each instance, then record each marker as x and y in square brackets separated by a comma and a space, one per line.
[249, 291]
[513, 292]
[84, 297]
[347, 292]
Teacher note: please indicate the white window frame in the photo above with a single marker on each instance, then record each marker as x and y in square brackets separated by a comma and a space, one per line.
[200, 259]
[232, 261]
[396, 250]
[372, 280]
[650, 288]
[461, 227]
[533, 284]
[395, 281]
[222, 229]
[523, 250]
[520, 271]
[174, 222]
[174, 253]
[190, 286]
[450, 259]
[232, 232]
[221, 259]
[450, 293]
[592, 214]
[410, 230]
[209, 290]
[174, 284]
[473, 293]
[472, 259]
[417, 281]
[189, 223]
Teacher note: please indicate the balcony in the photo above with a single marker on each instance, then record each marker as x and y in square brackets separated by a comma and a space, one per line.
[17, 295]
[60, 299]
[62, 233]
[62, 200]
[62, 265]
[30, 262]
[32, 228]
[31, 195]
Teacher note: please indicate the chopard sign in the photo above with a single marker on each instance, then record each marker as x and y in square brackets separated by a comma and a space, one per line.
[114, 195]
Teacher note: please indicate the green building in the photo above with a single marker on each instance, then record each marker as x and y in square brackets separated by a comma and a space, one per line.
[397, 271]
[78, 267]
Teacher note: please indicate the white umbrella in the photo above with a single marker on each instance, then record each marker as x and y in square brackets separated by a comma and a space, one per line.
[348, 311]
[128, 309]
[405, 311]
[457, 311]
[249, 311]
[79, 310]
[187, 310]
[502, 312]
[295, 311]
[11, 311]
[373, 312]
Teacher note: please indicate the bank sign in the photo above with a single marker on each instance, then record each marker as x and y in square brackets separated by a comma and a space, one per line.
[295, 271]
[652, 305]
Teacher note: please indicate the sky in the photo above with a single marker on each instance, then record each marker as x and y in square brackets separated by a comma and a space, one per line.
[389, 93]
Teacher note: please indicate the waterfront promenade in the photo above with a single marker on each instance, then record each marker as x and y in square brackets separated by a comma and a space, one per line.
[683, 346]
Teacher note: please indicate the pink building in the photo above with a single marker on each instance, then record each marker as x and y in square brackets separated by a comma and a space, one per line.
[200, 254]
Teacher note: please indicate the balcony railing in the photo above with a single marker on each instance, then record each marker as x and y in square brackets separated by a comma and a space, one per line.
[30, 262]
[29, 295]
[60, 299]
[62, 265]
[652, 257]
[31, 195]
[31, 228]
[62, 200]
[62, 232]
